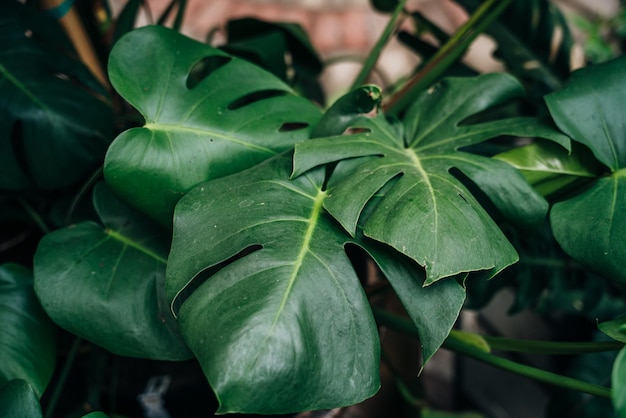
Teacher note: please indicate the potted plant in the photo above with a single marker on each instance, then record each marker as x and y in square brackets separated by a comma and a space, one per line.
[225, 213]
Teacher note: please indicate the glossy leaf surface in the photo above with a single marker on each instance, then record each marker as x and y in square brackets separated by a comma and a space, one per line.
[55, 124]
[106, 283]
[428, 214]
[549, 167]
[206, 113]
[591, 227]
[589, 109]
[28, 344]
[18, 400]
[266, 296]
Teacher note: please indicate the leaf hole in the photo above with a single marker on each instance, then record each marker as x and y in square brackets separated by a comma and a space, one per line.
[202, 276]
[356, 130]
[254, 97]
[365, 268]
[292, 126]
[205, 67]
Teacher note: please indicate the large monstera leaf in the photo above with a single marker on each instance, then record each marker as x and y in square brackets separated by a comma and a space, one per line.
[428, 213]
[207, 115]
[107, 283]
[591, 227]
[28, 345]
[266, 296]
[55, 124]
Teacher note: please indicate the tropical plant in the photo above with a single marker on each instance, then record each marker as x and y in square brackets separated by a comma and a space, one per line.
[230, 218]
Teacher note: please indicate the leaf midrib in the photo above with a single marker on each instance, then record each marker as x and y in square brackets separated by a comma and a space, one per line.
[318, 202]
[22, 87]
[304, 249]
[128, 242]
[169, 128]
[415, 160]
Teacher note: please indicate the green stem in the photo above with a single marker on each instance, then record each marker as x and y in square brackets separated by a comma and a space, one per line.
[449, 52]
[553, 347]
[34, 215]
[90, 182]
[178, 22]
[456, 343]
[371, 60]
[547, 347]
[60, 384]
[452, 343]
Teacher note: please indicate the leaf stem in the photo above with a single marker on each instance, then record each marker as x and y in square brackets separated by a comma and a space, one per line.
[90, 182]
[34, 215]
[447, 54]
[457, 344]
[550, 347]
[60, 384]
[452, 343]
[372, 58]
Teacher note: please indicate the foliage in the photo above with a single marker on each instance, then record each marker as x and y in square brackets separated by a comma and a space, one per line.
[231, 217]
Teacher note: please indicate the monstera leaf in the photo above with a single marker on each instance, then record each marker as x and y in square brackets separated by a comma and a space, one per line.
[106, 283]
[55, 124]
[207, 115]
[266, 296]
[428, 213]
[591, 227]
[28, 346]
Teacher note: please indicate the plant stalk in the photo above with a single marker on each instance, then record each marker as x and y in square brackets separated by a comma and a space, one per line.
[60, 384]
[550, 347]
[455, 343]
[34, 215]
[449, 52]
[372, 58]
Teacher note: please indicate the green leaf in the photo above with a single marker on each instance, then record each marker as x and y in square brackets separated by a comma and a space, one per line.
[549, 167]
[428, 214]
[207, 115]
[28, 345]
[615, 329]
[107, 283]
[618, 383]
[55, 124]
[18, 400]
[591, 227]
[589, 109]
[267, 298]
[433, 309]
